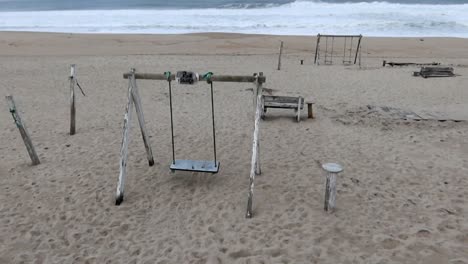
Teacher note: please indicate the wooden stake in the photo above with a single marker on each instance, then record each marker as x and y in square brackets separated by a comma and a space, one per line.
[124, 146]
[255, 168]
[358, 48]
[317, 49]
[310, 112]
[332, 170]
[141, 119]
[280, 53]
[72, 99]
[330, 192]
[22, 128]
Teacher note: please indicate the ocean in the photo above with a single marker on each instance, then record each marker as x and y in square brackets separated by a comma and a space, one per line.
[412, 18]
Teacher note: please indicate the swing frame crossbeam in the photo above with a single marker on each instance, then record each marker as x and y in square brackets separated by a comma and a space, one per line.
[347, 56]
[189, 165]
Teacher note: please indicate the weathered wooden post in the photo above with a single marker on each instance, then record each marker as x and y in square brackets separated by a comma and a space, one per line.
[317, 49]
[141, 118]
[332, 170]
[72, 99]
[132, 100]
[280, 53]
[255, 167]
[124, 146]
[22, 128]
[259, 94]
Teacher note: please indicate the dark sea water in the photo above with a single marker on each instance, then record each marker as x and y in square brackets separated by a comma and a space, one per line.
[280, 17]
[42, 5]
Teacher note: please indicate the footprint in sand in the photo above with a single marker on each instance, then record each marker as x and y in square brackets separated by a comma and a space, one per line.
[390, 243]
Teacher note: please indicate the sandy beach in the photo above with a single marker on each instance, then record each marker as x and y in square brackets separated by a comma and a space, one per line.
[402, 197]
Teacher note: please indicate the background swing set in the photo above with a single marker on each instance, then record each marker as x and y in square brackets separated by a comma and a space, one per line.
[185, 77]
[349, 51]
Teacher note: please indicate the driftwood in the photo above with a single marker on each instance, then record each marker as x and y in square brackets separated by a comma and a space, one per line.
[23, 131]
[255, 168]
[409, 64]
[435, 72]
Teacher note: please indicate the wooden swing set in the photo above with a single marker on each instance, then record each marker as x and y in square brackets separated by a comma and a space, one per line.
[351, 49]
[186, 77]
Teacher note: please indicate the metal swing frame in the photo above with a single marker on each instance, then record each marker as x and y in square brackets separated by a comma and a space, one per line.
[193, 165]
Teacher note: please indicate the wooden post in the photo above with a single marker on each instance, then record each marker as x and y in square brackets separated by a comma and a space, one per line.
[317, 49]
[255, 167]
[22, 128]
[358, 48]
[332, 170]
[310, 112]
[360, 54]
[141, 119]
[124, 146]
[72, 99]
[259, 87]
[280, 53]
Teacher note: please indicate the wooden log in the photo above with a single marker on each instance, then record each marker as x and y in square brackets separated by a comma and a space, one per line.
[409, 63]
[214, 78]
[280, 53]
[255, 147]
[124, 146]
[72, 99]
[141, 120]
[23, 131]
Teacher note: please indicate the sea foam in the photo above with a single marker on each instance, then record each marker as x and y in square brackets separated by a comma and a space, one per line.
[297, 18]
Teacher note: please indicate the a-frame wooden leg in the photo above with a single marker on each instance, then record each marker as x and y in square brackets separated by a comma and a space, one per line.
[141, 119]
[124, 147]
[255, 168]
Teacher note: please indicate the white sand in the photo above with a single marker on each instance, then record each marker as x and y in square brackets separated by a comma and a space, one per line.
[401, 199]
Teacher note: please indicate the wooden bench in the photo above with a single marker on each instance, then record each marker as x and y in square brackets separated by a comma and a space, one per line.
[288, 102]
[435, 72]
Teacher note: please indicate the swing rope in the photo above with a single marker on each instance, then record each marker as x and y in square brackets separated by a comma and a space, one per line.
[207, 77]
[168, 77]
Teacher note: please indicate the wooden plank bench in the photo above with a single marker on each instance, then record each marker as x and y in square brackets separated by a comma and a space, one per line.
[435, 72]
[288, 102]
